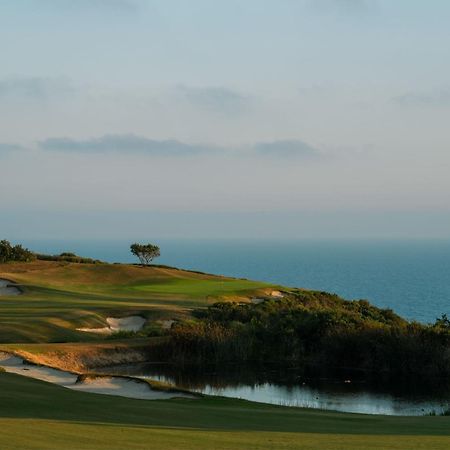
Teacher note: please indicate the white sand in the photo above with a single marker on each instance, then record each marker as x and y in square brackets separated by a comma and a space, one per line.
[124, 387]
[277, 294]
[8, 288]
[132, 323]
[167, 324]
[120, 386]
[14, 364]
[257, 301]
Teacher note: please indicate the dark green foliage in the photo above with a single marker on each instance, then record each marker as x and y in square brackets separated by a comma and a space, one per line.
[145, 252]
[16, 253]
[317, 329]
[68, 257]
[442, 323]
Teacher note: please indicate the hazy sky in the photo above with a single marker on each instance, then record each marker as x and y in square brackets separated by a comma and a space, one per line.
[236, 118]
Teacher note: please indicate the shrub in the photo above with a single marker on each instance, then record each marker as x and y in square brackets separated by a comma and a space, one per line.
[10, 253]
[318, 329]
[68, 257]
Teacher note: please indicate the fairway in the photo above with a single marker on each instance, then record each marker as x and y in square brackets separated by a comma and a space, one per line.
[60, 297]
[195, 288]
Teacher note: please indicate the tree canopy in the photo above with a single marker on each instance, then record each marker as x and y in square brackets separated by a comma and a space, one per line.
[145, 252]
[9, 253]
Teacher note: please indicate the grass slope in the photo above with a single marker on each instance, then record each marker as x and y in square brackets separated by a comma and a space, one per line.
[37, 415]
[60, 297]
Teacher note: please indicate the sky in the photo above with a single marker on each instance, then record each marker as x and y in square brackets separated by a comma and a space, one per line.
[224, 119]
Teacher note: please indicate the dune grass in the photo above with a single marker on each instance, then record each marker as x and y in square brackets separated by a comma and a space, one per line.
[38, 415]
[60, 297]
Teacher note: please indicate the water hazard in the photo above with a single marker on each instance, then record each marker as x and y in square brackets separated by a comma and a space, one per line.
[290, 388]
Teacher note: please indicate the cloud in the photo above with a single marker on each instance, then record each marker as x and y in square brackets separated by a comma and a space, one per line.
[216, 99]
[34, 87]
[130, 143]
[439, 98]
[122, 144]
[287, 149]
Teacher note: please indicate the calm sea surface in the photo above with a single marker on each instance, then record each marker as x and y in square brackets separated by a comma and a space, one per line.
[411, 277]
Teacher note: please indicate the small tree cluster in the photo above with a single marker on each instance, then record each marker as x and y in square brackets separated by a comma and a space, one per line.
[9, 253]
[145, 252]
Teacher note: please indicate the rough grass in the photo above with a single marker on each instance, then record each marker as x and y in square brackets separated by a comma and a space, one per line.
[77, 420]
[60, 297]
[81, 357]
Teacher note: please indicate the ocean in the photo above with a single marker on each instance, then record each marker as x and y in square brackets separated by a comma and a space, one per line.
[410, 277]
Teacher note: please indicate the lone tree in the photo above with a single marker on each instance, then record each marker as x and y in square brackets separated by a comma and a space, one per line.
[145, 252]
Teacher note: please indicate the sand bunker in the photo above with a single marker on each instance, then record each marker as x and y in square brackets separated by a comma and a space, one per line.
[8, 288]
[109, 385]
[258, 301]
[15, 364]
[167, 324]
[132, 323]
[124, 387]
[277, 294]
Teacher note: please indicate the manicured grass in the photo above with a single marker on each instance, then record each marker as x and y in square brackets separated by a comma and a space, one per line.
[60, 297]
[37, 415]
[195, 288]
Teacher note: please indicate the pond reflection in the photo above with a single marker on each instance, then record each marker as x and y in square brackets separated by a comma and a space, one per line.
[293, 388]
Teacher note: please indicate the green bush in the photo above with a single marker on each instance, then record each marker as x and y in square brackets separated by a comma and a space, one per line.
[68, 257]
[16, 253]
[318, 329]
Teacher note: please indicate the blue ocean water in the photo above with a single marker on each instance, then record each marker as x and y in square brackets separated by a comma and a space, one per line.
[410, 277]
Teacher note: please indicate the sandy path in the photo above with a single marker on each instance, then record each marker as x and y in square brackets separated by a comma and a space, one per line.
[121, 386]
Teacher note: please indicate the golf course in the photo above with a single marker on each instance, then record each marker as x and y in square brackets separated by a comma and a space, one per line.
[68, 316]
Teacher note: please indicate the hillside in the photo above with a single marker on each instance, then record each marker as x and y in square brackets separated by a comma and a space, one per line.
[59, 297]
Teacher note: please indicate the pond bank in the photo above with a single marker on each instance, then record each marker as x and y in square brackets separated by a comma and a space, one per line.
[122, 386]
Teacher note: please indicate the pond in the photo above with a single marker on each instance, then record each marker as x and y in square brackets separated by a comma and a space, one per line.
[291, 388]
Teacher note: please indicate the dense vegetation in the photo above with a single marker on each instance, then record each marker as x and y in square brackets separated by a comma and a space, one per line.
[14, 253]
[17, 253]
[317, 329]
[68, 257]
